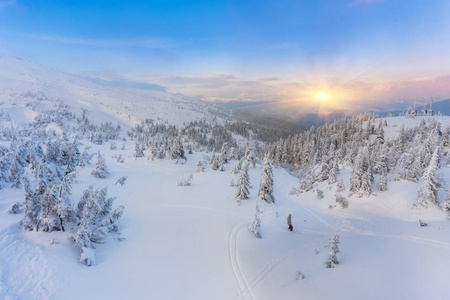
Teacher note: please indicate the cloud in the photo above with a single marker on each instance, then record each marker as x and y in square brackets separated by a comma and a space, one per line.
[7, 3]
[142, 42]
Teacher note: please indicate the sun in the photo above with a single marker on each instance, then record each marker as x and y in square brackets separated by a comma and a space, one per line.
[322, 96]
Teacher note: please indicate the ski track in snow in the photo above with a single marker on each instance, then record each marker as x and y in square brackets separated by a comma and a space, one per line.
[245, 291]
[346, 226]
[278, 260]
[19, 257]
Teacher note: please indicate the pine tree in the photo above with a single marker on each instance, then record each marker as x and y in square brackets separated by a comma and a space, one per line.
[362, 177]
[64, 208]
[32, 205]
[382, 182]
[85, 158]
[101, 170]
[332, 260]
[243, 183]
[266, 186]
[200, 167]
[340, 186]
[224, 153]
[74, 157]
[212, 157]
[427, 193]
[138, 152]
[256, 225]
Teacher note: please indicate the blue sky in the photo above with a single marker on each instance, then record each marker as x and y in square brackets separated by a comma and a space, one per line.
[285, 50]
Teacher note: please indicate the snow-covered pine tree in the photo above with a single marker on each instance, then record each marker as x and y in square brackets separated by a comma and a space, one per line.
[200, 167]
[361, 177]
[243, 183]
[16, 172]
[340, 186]
[73, 157]
[213, 157]
[382, 182]
[332, 176]
[332, 260]
[266, 186]
[319, 194]
[96, 222]
[238, 166]
[256, 225]
[446, 205]
[138, 152]
[85, 158]
[32, 205]
[101, 170]
[87, 193]
[224, 153]
[341, 201]
[427, 193]
[64, 208]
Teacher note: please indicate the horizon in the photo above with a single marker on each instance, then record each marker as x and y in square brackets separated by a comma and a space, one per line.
[324, 56]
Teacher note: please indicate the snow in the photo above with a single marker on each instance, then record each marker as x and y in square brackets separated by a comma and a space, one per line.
[23, 81]
[194, 242]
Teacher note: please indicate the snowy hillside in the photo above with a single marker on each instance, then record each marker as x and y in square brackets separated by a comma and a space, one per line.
[194, 242]
[22, 81]
[90, 210]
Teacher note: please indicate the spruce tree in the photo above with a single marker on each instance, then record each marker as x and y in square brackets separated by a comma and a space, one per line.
[101, 170]
[427, 193]
[266, 186]
[332, 260]
[256, 225]
[32, 205]
[243, 183]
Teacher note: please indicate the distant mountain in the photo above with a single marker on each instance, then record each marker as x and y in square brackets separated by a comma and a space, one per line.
[22, 81]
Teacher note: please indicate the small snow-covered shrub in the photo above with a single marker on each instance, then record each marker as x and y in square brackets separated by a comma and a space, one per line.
[15, 208]
[121, 180]
[422, 223]
[185, 180]
[341, 201]
[319, 194]
[87, 256]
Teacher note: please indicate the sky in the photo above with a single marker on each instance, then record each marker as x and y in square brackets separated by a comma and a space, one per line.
[334, 54]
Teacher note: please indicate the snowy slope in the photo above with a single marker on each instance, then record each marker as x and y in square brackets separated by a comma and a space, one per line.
[22, 81]
[194, 242]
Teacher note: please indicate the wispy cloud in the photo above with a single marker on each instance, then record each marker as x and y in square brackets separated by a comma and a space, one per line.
[142, 42]
[7, 3]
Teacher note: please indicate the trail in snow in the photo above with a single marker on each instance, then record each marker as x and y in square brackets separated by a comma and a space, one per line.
[245, 290]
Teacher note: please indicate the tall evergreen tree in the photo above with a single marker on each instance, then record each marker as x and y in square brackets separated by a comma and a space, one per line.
[266, 186]
[243, 183]
[427, 193]
[32, 205]
[256, 225]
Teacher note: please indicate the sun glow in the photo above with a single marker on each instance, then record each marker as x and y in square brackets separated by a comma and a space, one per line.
[322, 96]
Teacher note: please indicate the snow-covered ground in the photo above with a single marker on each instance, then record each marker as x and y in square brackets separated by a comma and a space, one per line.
[22, 81]
[194, 242]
